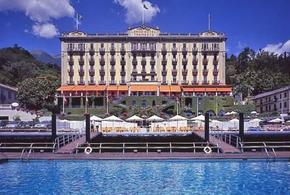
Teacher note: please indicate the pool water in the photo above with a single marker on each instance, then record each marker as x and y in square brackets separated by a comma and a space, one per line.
[145, 177]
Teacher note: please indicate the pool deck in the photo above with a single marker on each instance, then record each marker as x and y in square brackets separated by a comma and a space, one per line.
[145, 156]
[225, 148]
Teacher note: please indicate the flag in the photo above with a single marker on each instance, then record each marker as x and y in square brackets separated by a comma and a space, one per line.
[79, 17]
[145, 7]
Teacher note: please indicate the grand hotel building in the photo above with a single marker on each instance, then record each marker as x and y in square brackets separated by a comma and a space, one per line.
[143, 61]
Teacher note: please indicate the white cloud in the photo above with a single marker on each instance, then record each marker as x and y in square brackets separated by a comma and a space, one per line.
[46, 30]
[278, 48]
[134, 10]
[41, 12]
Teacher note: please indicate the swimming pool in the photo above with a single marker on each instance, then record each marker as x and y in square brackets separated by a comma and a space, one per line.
[145, 177]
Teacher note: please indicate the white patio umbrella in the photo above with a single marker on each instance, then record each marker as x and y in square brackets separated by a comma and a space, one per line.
[216, 123]
[95, 118]
[134, 118]
[256, 120]
[235, 123]
[199, 118]
[113, 119]
[254, 113]
[276, 120]
[178, 118]
[154, 118]
[234, 113]
[227, 114]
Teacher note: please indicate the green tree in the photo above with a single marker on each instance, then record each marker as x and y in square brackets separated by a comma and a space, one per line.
[37, 93]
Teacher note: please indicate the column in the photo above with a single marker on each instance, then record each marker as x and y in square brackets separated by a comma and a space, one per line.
[206, 127]
[88, 127]
[53, 126]
[241, 126]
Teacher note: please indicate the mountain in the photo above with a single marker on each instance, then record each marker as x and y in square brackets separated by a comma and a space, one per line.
[44, 57]
[18, 64]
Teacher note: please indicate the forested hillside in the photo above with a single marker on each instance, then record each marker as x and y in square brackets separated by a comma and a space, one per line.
[252, 73]
[17, 64]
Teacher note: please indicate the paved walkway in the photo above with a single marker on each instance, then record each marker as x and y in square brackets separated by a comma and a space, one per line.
[70, 147]
[150, 156]
[225, 147]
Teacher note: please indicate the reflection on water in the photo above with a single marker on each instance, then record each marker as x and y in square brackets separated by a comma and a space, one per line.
[145, 177]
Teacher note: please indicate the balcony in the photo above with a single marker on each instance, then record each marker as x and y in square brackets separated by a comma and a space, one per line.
[143, 71]
[215, 61]
[102, 71]
[215, 72]
[92, 51]
[123, 62]
[184, 82]
[113, 71]
[184, 61]
[102, 61]
[123, 82]
[215, 82]
[205, 72]
[204, 61]
[71, 72]
[184, 72]
[102, 82]
[163, 51]
[164, 62]
[194, 72]
[143, 62]
[194, 50]
[123, 73]
[184, 51]
[113, 82]
[194, 82]
[81, 82]
[134, 71]
[92, 62]
[152, 62]
[164, 72]
[71, 82]
[205, 82]
[134, 62]
[71, 61]
[91, 72]
[112, 51]
[102, 51]
[123, 51]
[92, 82]
[174, 51]
[174, 83]
[174, 62]
[152, 72]
[81, 61]
[81, 72]
[174, 72]
[194, 61]
[113, 61]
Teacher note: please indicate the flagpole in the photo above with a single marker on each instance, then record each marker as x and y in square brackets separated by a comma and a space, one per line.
[143, 16]
[63, 103]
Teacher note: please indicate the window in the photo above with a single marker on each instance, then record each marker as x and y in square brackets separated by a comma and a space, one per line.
[285, 94]
[102, 45]
[174, 45]
[285, 104]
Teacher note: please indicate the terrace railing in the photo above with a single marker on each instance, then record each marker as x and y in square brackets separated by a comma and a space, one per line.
[148, 147]
[65, 139]
[228, 138]
[267, 146]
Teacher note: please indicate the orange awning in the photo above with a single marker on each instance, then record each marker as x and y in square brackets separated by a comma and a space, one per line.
[224, 89]
[122, 88]
[66, 88]
[150, 88]
[164, 88]
[199, 89]
[188, 89]
[112, 88]
[175, 88]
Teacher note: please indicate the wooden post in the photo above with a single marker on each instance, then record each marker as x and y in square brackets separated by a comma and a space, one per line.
[206, 127]
[241, 126]
[53, 126]
[88, 127]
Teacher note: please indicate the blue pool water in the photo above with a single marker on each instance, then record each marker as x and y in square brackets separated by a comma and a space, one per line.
[145, 177]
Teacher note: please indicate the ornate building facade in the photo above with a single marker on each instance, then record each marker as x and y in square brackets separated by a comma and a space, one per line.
[143, 61]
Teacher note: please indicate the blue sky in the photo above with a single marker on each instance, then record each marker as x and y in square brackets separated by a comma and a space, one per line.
[254, 23]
